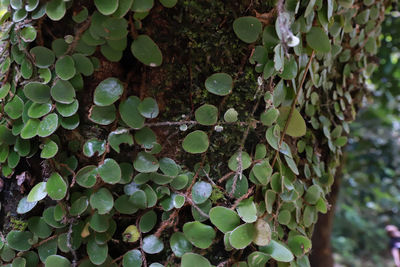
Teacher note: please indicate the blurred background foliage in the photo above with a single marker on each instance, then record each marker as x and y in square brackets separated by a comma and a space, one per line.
[370, 191]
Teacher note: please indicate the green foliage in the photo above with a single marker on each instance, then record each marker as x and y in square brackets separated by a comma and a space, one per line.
[104, 105]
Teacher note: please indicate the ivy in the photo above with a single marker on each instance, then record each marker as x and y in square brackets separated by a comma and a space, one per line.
[122, 158]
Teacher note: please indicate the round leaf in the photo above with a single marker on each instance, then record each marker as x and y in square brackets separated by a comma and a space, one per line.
[242, 236]
[148, 108]
[102, 200]
[200, 235]
[38, 192]
[145, 162]
[207, 114]
[65, 67]
[103, 115]
[318, 40]
[37, 92]
[133, 258]
[128, 109]
[48, 125]
[43, 56]
[106, 7]
[196, 142]
[297, 126]
[57, 260]
[19, 240]
[146, 51]
[248, 29]
[224, 219]
[55, 9]
[201, 191]
[219, 84]
[152, 245]
[110, 171]
[179, 244]
[63, 92]
[56, 187]
[278, 251]
[108, 91]
[194, 260]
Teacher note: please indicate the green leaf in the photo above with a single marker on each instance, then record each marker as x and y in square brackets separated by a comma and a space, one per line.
[86, 177]
[43, 56]
[55, 9]
[224, 219]
[207, 114]
[97, 253]
[57, 260]
[231, 115]
[81, 16]
[148, 108]
[106, 7]
[25, 206]
[14, 107]
[49, 150]
[123, 8]
[83, 64]
[179, 244]
[152, 245]
[299, 245]
[147, 221]
[297, 126]
[262, 171]
[145, 162]
[200, 235]
[103, 115]
[242, 236]
[79, 206]
[65, 67]
[146, 51]
[39, 227]
[247, 210]
[108, 91]
[313, 194]
[99, 223]
[63, 92]
[19, 240]
[142, 5]
[4, 89]
[48, 125]
[102, 200]
[37, 110]
[168, 3]
[110, 171]
[269, 117]
[263, 233]
[201, 191]
[278, 251]
[194, 260]
[37, 193]
[318, 40]
[37, 92]
[169, 167]
[128, 109]
[56, 187]
[219, 84]
[289, 69]
[248, 29]
[93, 146]
[28, 34]
[234, 160]
[284, 217]
[196, 142]
[19, 262]
[132, 258]
[119, 136]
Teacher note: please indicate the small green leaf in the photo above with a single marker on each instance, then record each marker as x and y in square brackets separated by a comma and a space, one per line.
[142, 5]
[299, 245]
[224, 219]
[278, 251]
[234, 161]
[147, 221]
[55, 9]
[86, 177]
[242, 236]
[131, 234]
[145, 162]
[263, 233]
[207, 114]
[56, 187]
[49, 150]
[93, 146]
[231, 115]
[247, 210]
[106, 7]
[194, 260]
[110, 171]
[108, 91]
[219, 84]
[102, 200]
[119, 136]
[25, 206]
[67, 110]
[196, 142]
[43, 56]
[48, 125]
[28, 34]
[65, 67]
[19, 240]
[152, 245]
[132, 258]
[37, 193]
[97, 253]
[14, 107]
[128, 109]
[63, 92]
[57, 260]
[200, 235]
[37, 92]
[37, 110]
[168, 3]
[146, 51]
[201, 191]
[179, 244]
[148, 108]
[248, 29]
[79, 206]
[318, 40]
[103, 115]
[39, 227]
[297, 126]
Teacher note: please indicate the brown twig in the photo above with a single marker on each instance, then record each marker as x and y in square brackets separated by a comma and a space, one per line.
[299, 89]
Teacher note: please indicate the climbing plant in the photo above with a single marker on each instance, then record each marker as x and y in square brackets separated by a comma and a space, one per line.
[199, 133]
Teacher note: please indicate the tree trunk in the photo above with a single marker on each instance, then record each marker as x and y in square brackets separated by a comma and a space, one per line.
[321, 255]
